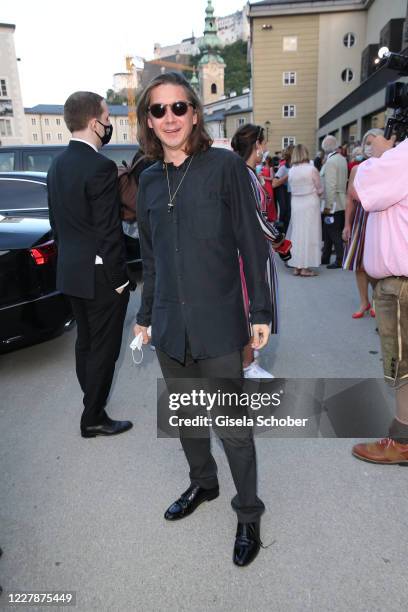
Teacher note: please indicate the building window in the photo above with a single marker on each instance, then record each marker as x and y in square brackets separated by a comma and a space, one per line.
[48, 136]
[35, 137]
[120, 121]
[33, 121]
[290, 43]
[58, 121]
[240, 121]
[124, 136]
[3, 87]
[59, 136]
[213, 88]
[288, 140]
[347, 75]
[126, 121]
[349, 40]
[5, 127]
[46, 121]
[288, 110]
[289, 78]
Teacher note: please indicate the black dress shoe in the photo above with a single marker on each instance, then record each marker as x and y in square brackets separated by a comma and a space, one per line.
[334, 266]
[189, 501]
[107, 428]
[247, 543]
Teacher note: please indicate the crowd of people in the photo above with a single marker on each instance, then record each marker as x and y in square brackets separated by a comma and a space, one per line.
[317, 205]
[210, 224]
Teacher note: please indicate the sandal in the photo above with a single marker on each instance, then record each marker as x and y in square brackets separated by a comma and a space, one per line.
[308, 273]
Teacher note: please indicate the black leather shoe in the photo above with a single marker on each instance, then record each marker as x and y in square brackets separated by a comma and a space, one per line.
[247, 543]
[334, 266]
[189, 501]
[107, 428]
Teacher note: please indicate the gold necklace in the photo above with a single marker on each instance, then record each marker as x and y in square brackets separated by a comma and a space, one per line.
[170, 205]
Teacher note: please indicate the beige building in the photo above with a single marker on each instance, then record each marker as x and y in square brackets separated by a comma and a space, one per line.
[12, 123]
[45, 125]
[309, 56]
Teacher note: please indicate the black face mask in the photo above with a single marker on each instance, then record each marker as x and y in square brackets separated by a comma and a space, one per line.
[108, 133]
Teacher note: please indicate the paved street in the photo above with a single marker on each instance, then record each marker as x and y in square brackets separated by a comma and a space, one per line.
[86, 515]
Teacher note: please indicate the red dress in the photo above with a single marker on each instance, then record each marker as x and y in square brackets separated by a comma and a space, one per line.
[270, 204]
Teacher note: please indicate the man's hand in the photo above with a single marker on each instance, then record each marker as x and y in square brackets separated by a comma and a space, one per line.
[261, 335]
[380, 145]
[140, 328]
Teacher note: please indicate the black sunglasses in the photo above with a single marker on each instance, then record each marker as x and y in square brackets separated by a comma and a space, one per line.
[177, 108]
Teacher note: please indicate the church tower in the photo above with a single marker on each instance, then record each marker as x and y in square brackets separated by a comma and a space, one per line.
[211, 67]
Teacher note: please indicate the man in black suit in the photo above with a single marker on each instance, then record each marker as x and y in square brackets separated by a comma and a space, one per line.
[85, 218]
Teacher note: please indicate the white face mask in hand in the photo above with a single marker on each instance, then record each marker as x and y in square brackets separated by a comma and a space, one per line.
[137, 344]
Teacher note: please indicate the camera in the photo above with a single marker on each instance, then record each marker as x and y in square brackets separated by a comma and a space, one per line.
[396, 95]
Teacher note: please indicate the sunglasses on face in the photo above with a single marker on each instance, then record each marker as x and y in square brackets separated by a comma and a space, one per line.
[177, 108]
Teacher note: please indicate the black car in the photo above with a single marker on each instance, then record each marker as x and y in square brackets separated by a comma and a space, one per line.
[31, 309]
[26, 193]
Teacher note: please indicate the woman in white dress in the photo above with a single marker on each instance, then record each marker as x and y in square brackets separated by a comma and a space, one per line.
[305, 230]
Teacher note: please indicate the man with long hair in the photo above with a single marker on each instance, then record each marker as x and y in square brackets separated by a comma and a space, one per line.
[195, 213]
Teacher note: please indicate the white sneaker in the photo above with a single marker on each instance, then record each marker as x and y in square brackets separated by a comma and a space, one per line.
[255, 371]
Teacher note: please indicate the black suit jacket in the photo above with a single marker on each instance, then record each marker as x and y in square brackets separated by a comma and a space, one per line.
[85, 218]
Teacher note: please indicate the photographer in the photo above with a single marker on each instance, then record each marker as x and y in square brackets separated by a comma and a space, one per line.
[382, 187]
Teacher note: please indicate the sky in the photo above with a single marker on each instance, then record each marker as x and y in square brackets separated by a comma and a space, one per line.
[80, 44]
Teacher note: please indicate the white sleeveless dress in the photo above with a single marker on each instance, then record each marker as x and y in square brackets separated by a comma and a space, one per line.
[305, 228]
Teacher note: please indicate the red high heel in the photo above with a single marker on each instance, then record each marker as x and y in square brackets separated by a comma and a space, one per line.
[360, 313]
[372, 313]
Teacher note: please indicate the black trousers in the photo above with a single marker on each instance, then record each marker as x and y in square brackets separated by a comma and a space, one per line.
[285, 208]
[238, 445]
[332, 235]
[100, 326]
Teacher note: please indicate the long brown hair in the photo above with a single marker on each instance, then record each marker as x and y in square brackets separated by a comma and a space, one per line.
[199, 139]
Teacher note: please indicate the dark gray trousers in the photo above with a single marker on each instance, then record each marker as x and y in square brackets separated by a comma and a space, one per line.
[238, 443]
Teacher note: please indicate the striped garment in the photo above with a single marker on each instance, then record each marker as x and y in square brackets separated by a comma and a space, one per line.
[271, 234]
[353, 253]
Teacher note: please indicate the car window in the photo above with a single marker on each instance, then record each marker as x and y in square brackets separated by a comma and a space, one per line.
[118, 155]
[38, 161]
[17, 194]
[7, 161]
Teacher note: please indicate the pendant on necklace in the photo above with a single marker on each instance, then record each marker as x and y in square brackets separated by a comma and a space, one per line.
[170, 206]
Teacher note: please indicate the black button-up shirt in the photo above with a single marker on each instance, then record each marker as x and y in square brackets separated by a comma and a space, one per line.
[192, 285]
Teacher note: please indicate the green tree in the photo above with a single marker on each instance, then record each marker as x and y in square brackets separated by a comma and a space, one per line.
[237, 71]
